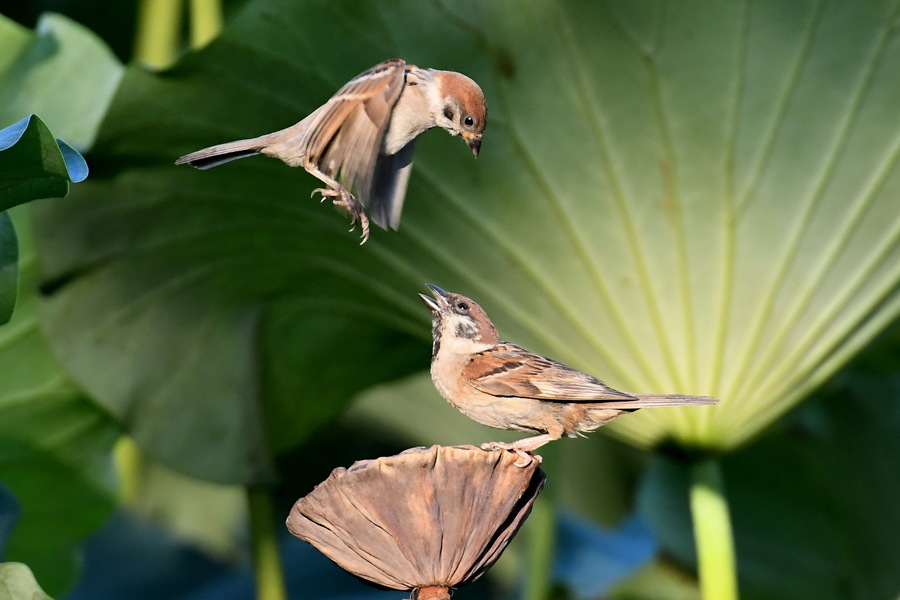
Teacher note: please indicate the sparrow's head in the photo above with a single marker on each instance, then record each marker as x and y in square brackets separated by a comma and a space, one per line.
[463, 109]
[458, 323]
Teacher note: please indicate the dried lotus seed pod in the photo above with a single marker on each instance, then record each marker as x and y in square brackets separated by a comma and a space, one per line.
[426, 520]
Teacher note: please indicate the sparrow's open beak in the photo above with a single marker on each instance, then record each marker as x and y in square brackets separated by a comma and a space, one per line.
[439, 302]
[473, 141]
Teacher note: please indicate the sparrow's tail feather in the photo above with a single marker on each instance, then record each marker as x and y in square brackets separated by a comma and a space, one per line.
[223, 153]
[673, 400]
[646, 400]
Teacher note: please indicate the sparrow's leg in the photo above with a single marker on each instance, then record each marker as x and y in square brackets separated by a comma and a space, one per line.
[342, 197]
[523, 447]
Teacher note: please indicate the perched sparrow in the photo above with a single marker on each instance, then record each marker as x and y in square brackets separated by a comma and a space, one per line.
[505, 386]
[362, 139]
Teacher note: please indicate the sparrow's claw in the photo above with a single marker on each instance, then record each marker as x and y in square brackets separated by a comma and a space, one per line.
[345, 200]
[326, 193]
[364, 225]
[525, 457]
[357, 214]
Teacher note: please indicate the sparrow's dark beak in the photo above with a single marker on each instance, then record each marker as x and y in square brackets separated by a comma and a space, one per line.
[439, 302]
[474, 144]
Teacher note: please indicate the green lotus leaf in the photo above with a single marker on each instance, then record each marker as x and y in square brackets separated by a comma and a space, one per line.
[682, 198]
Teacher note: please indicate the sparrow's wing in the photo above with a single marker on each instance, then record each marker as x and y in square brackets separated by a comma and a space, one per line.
[389, 186]
[344, 136]
[509, 370]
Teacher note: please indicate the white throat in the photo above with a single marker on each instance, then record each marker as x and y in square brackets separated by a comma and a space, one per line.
[460, 336]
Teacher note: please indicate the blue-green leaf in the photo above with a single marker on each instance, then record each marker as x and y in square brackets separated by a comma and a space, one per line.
[34, 164]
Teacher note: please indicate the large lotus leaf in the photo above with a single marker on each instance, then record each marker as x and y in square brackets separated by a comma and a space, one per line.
[678, 197]
[55, 445]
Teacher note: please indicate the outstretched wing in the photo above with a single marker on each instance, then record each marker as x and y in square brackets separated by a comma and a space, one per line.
[344, 136]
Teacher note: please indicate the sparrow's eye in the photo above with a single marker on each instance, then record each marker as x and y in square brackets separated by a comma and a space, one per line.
[462, 307]
[469, 121]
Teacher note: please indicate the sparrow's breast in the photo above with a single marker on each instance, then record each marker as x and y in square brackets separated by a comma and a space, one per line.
[499, 412]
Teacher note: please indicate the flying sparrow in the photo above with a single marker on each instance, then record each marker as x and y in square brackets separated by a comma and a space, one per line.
[363, 138]
[505, 386]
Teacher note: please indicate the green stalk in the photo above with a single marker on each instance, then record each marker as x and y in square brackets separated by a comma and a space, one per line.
[156, 41]
[712, 532]
[130, 464]
[541, 542]
[266, 560]
[206, 21]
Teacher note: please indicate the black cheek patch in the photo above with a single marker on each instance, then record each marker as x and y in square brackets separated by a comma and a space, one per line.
[465, 330]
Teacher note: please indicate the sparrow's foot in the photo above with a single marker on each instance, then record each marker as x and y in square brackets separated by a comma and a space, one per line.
[344, 199]
[525, 457]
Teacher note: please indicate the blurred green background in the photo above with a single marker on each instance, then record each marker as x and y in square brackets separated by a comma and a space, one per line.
[676, 197]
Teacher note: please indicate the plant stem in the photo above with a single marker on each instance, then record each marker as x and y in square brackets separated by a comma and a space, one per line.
[266, 560]
[156, 40]
[206, 21]
[129, 462]
[541, 542]
[712, 532]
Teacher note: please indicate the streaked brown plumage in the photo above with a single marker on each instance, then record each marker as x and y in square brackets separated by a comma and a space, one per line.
[362, 139]
[505, 386]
